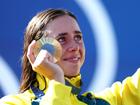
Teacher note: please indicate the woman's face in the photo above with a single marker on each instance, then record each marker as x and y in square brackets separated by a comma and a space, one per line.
[67, 32]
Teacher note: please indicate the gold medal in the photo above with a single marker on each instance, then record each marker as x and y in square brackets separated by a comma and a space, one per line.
[49, 44]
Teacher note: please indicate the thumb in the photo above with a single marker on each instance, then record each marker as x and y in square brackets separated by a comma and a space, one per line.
[30, 53]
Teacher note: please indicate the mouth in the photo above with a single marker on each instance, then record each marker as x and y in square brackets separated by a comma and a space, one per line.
[74, 59]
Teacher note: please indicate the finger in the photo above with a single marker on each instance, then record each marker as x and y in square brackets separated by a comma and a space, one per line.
[30, 53]
[51, 58]
[44, 56]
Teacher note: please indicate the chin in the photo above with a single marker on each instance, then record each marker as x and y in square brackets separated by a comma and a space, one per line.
[72, 74]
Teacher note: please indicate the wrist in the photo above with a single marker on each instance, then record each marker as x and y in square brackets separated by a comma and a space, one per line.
[59, 77]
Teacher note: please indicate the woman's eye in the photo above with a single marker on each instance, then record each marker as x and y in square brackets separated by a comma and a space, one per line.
[61, 40]
[78, 38]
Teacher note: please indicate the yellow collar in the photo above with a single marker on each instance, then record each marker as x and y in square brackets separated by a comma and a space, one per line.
[44, 81]
[76, 81]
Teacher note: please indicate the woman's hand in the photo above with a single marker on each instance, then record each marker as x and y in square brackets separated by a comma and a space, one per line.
[44, 64]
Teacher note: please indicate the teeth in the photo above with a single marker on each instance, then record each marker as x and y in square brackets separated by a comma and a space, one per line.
[75, 59]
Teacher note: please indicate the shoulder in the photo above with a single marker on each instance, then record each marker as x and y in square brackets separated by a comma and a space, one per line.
[17, 99]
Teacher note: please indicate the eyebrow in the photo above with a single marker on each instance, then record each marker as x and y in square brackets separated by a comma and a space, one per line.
[65, 33]
[62, 34]
[78, 32]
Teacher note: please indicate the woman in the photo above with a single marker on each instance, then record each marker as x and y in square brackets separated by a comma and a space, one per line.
[47, 82]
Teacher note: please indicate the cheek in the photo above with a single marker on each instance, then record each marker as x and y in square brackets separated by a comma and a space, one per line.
[82, 47]
[63, 49]
[82, 51]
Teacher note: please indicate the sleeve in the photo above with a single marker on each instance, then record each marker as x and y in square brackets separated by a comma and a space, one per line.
[57, 94]
[125, 93]
[14, 100]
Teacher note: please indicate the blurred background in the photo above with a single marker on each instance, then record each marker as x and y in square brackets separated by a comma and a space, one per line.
[111, 34]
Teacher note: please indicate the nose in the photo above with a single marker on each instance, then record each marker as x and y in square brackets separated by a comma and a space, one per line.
[73, 46]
